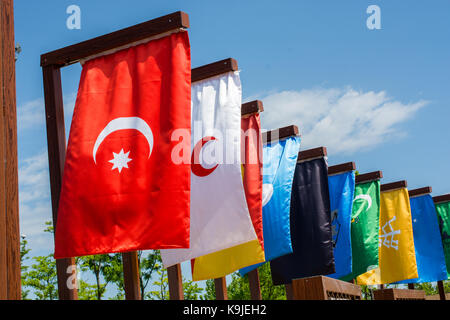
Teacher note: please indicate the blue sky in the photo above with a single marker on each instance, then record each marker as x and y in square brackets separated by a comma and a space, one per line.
[376, 97]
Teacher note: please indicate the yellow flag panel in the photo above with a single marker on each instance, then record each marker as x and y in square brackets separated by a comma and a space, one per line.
[221, 263]
[397, 257]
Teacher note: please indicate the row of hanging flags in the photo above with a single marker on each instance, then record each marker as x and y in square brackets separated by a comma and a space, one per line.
[156, 161]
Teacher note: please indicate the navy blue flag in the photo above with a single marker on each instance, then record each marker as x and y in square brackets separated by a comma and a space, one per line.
[310, 221]
[427, 241]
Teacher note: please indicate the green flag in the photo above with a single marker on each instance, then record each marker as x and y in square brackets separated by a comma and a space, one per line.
[443, 212]
[365, 228]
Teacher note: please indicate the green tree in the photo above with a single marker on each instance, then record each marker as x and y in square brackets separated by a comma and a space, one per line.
[149, 262]
[24, 252]
[162, 287]
[191, 290]
[104, 267]
[42, 278]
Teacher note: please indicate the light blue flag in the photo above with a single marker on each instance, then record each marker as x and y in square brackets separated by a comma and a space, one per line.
[342, 189]
[427, 241]
[279, 161]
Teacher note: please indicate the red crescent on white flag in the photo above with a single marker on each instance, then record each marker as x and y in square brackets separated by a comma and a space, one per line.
[196, 166]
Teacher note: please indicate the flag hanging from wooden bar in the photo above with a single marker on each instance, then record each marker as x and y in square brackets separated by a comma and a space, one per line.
[397, 258]
[119, 176]
[443, 212]
[342, 188]
[219, 214]
[311, 232]
[427, 241]
[279, 159]
[219, 264]
[365, 226]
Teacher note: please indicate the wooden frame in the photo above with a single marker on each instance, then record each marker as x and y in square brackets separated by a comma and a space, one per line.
[310, 154]
[251, 107]
[51, 63]
[441, 199]
[367, 177]
[324, 288]
[398, 294]
[213, 69]
[341, 168]
[279, 134]
[393, 186]
[419, 192]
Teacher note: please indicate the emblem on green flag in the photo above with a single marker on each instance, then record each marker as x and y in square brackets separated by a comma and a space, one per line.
[365, 228]
[443, 212]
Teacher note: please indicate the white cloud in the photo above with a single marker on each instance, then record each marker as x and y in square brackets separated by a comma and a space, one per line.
[32, 113]
[34, 202]
[343, 120]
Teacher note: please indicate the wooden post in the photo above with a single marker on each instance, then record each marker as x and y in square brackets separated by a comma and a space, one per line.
[440, 285]
[221, 288]
[289, 291]
[10, 280]
[253, 281]
[131, 275]
[175, 282]
[411, 286]
[56, 144]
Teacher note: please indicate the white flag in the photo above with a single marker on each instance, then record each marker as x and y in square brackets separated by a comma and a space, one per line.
[219, 214]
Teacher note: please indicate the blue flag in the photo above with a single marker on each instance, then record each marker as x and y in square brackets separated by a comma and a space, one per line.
[279, 160]
[427, 241]
[342, 189]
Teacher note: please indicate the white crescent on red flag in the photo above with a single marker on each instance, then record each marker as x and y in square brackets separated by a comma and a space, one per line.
[121, 191]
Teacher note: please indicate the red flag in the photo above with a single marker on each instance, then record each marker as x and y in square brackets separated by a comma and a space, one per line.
[121, 191]
[252, 164]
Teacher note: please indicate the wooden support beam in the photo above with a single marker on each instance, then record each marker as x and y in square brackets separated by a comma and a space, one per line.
[253, 281]
[340, 168]
[442, 198]
[74, 53]
[289, 291]
[10, 280]
[420, 191]
[280, 134]
[367, 177]
[310, 154]
[393, 185]
[213, 69]
[252, 107]
[175, 282]
[56, 144]
[131, 276]
[440, 285]
[220, 285]
[411, 286]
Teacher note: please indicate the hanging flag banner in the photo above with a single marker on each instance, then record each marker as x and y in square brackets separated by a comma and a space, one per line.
[219, 214]
[365, 226]
[427, 241]
[342, 188]
[119, 176]
[219, 264]
[443, 212]
[397, 258]
[311, 232]
[279, 160]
